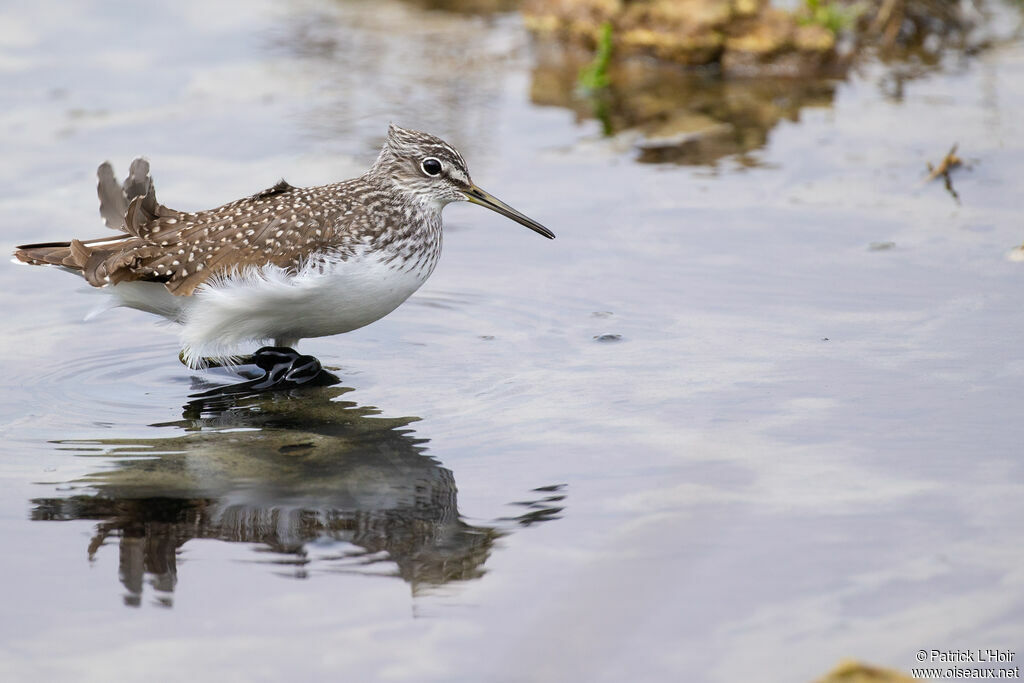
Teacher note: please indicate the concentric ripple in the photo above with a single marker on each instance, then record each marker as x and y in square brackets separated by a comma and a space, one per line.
[108, 387]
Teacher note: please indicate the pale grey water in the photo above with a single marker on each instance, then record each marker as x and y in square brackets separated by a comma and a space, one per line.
[800, 449]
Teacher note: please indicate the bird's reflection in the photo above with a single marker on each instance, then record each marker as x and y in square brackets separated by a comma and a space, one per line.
[322, 485]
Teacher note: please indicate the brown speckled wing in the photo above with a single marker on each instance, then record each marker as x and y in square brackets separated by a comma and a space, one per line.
[282, 226]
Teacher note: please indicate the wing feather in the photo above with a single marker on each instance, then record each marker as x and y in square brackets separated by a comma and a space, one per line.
[281, 226]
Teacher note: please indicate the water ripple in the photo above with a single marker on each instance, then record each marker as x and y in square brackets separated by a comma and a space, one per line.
[105, 387]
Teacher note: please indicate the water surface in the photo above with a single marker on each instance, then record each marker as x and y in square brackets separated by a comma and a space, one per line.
[713, 431]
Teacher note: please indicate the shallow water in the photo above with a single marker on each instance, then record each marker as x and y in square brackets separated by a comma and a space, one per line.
[752, 412]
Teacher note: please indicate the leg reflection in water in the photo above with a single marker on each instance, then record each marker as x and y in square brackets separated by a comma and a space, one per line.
[284, 470]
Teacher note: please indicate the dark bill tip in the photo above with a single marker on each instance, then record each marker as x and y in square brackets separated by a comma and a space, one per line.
[477, 196]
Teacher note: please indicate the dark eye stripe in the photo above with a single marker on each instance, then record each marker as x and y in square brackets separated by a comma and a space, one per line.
[431, 166]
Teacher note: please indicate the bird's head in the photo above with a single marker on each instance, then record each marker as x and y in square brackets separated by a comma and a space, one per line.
[430, 168]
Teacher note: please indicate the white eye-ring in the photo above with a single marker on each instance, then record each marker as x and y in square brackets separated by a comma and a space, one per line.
[431, 166]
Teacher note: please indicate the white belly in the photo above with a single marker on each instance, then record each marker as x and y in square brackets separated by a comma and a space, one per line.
[270, 304]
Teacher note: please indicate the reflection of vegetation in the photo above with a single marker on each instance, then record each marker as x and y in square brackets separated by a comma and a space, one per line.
[907, 25]
[674, 115]
[767, 63]
[736, 35]
[594, 76]
[594, 81]
[830, 14]
[752, 37]
[284, 472]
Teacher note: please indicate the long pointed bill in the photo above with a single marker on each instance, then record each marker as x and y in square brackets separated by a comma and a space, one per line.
[478, 196]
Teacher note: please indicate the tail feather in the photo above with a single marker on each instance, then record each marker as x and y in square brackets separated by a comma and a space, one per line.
[74, 255]
[86, 256]
[47, 253]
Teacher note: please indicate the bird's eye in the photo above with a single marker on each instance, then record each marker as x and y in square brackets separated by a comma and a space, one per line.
[431, 166]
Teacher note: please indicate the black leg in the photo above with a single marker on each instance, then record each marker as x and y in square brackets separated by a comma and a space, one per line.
[283, 369]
